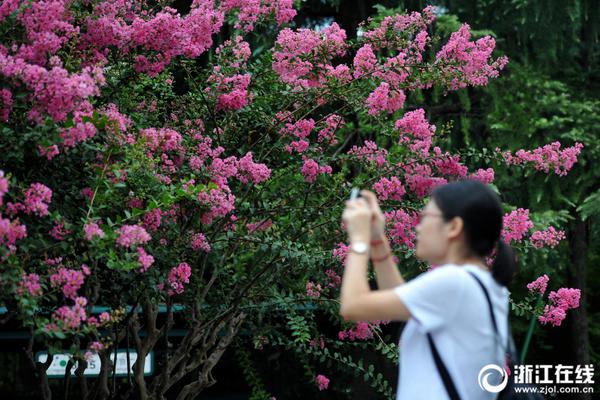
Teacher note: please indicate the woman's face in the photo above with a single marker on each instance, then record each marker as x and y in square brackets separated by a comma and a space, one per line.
[432, 240]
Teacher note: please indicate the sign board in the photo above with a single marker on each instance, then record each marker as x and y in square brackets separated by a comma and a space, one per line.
[59, 363]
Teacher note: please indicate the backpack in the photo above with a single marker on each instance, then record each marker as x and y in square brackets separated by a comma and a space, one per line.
[508, 393]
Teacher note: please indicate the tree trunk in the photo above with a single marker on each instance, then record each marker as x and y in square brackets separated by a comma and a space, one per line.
[580, 342]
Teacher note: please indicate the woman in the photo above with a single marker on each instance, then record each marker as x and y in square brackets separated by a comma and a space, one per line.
[459, 227]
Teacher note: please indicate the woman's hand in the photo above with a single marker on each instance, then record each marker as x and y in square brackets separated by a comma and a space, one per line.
[357, 217]
[377, 219]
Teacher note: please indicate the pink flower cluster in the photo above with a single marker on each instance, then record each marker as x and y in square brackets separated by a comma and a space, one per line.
[313, 290]
[386, 34]
[402, 227]
[332, 123]
[341, 252]
[70, 280]
[332, 279]
[370, 152]
[161, 140]
[259, 226]
[311, 168]
[251, 11]
[515, 225]
[54, 92]
[468, 63]
[382, 99]
[232, 91]
[178, 276]
[546, 157]
[561, 301]
[31, 284]
[249, 170]
[549, 237]
[6, 102]
[539, 285]
[145, 259]
[483, 175]
[419, 177]
[447, 164]
[164, 35]
[80, 132]
[362, 331]
[37, 199]
[219, 201]
[199, 242]
[322, 382]
[302, 57]
[10, 231]
[132, 235]
[58, 231]
[70, 317]
[416, 131]
[389, 189]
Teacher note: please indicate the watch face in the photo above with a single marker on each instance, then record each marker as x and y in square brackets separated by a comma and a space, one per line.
[360, 247]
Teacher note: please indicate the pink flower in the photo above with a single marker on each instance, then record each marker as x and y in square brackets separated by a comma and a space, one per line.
[31, 283]
[361, 331]
[552, 315]
[92, 230]
[311, 169]
[402, 226]
[132, 235]
[37, 199]
[546, 157]
[302, 57]
[516, 224]
[70, 317]
[561, 301]
[177, 277]
[365, 61]
[382, 99]
[249, 170]
[104, 317]
[313, 290]
[322, 381]
[58, 231]
[389, 188]
[145, 259]
[483, 175]
[259, 226]
[549, 237]
[539, 285]
[472, 59]
[199, 242]
[69, 280]
[370, 152]
[416, 131]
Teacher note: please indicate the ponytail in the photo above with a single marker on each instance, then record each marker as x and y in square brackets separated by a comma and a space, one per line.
[504, 267]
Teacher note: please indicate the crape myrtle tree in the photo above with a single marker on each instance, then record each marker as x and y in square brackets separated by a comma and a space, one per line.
[153, 159]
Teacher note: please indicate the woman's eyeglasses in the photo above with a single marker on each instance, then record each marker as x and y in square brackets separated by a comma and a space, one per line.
[422, 215]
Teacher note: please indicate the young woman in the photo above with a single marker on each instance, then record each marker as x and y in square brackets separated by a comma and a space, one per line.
[458, 228]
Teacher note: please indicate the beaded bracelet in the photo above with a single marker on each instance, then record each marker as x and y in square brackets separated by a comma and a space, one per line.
[389, 253]
[377, 242]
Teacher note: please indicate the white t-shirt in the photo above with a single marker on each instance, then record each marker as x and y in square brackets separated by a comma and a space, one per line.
[448, 302]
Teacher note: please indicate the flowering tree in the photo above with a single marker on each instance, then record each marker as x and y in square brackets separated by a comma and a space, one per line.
[150, 163]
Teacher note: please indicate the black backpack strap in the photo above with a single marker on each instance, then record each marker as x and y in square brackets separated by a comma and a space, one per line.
[448, 383]
[492, 316]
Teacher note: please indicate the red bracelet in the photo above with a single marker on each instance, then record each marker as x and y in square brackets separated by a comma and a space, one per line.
[378, 242]
[389, 253]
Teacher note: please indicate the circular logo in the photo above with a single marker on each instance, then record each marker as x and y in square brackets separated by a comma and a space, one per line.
[484, 376]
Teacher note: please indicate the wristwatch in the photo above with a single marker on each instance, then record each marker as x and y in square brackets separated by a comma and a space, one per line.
[359, 247]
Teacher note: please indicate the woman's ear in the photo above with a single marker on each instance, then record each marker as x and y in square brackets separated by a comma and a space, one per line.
[455, 227]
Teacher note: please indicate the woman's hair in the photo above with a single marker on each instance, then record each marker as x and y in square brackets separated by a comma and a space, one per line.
[481, 210]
